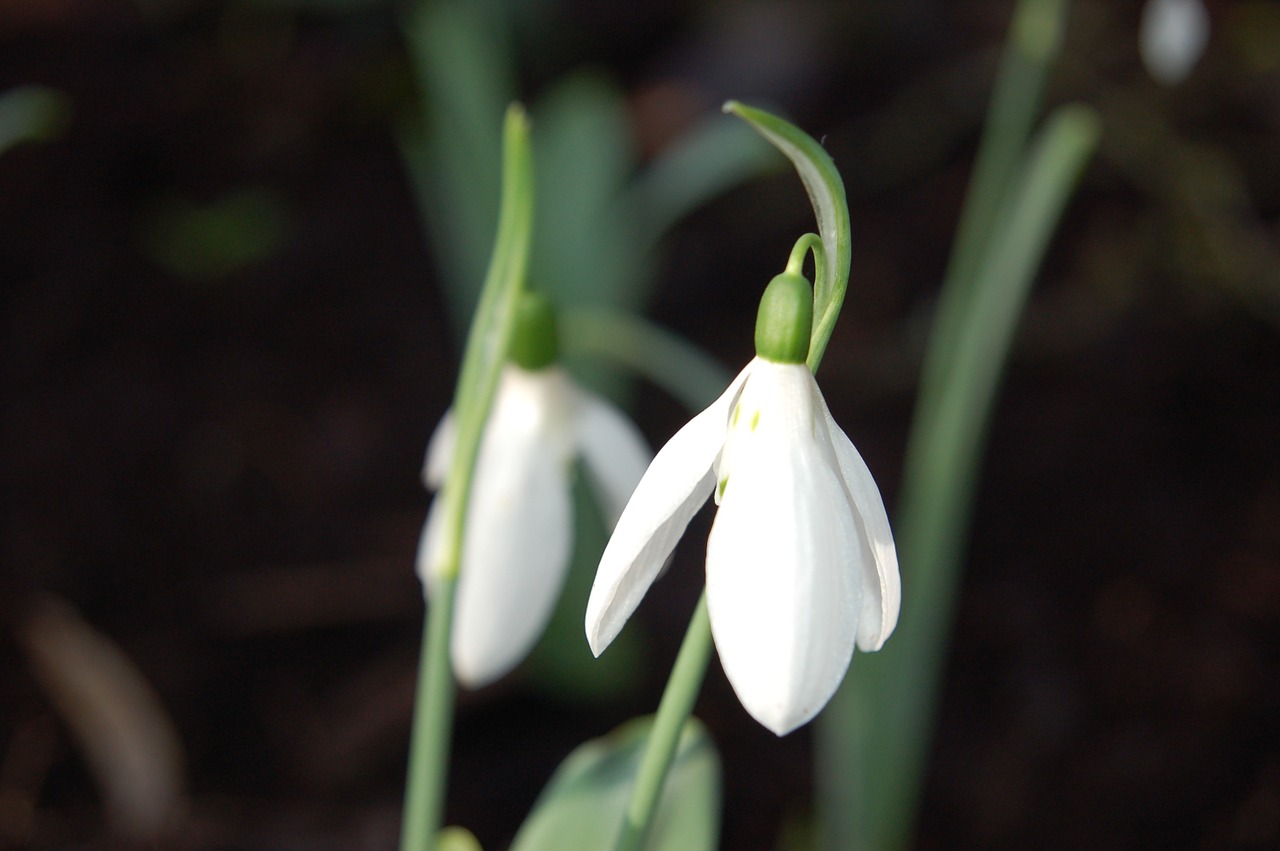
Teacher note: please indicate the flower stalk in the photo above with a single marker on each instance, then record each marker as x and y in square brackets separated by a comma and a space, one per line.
[486, 351]
[673, 712]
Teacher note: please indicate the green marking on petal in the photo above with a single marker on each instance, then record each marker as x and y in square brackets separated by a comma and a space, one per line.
[733, 420]
[755, 420]
[720, 487]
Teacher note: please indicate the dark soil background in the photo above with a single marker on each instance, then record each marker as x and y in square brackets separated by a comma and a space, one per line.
[217, 467]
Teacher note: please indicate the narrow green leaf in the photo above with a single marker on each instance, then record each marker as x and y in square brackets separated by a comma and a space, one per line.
[495, 316]
[677, 366]
[465, 80]
[32, 113]
[1034, 41]
[826, 193]
[876, 733]
[583, 804]
[709, 158]
[585, 252]
[486, 350]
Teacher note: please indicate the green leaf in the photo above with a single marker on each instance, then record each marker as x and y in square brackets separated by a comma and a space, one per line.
[584, 803]
[494, 321]
[709, 158]
[875, 733]
[668, 360]
[585, 253]
[463, 69]
[826, 193]
[32, 113]
[486, 351]
[202, 243]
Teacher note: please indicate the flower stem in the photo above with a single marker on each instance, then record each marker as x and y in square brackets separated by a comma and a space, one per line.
[673, 711]
[432, 726]
[805, 244]
[487, 347]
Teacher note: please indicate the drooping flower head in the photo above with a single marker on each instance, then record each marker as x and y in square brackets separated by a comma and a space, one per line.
[801, 566]
[518, 538]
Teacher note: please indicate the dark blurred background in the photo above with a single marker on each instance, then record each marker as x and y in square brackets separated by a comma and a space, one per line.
[224, 347]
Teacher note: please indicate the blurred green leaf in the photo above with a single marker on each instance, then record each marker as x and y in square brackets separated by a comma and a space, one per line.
[875, 733]
[711, 157]
[669, 361]
[205, 242]
[584, 252]
[486, 351]
[462, 65]
[583, 804]
[32, 113]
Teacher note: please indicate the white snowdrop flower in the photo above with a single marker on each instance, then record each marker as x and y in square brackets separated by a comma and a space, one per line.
[1171, 38]
[801, 565]
[519, 530]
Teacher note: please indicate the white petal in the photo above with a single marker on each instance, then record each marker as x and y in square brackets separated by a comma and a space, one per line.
[781, 593]
[435, 467]
[429, 547]
[670, 493]
[516, 547]
[615, 452]
[878, 558]
[1171, 38]
[514, 559]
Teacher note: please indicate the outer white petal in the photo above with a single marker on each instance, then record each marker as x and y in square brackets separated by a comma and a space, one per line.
[670, 493]
[514, 558]
[429, 547]
[877, 558]
[519, 527]
[439, 452]
[615, 452]
[1171, 37]
[783, 600]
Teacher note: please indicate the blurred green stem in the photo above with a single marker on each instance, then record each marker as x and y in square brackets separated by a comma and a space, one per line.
[432, 726]
[673, 711]
[486, 351]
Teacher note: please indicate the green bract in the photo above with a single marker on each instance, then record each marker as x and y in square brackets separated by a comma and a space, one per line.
[785, 319]
[535, 344]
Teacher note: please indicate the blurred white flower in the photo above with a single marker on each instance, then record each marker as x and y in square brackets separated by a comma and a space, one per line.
[1171, 38]
[801, 564]
[519, 528]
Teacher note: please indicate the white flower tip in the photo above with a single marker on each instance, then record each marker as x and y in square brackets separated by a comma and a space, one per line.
[1171, 38]
[879, 616]
[476, 667]
[602, 624]
[782, 720]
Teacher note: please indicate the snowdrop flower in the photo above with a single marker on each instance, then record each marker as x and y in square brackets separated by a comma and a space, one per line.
[1171, 37]
[519, 528]
[801, 565]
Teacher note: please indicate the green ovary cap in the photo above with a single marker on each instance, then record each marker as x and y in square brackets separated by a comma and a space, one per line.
[785, 319]
[534, 345]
